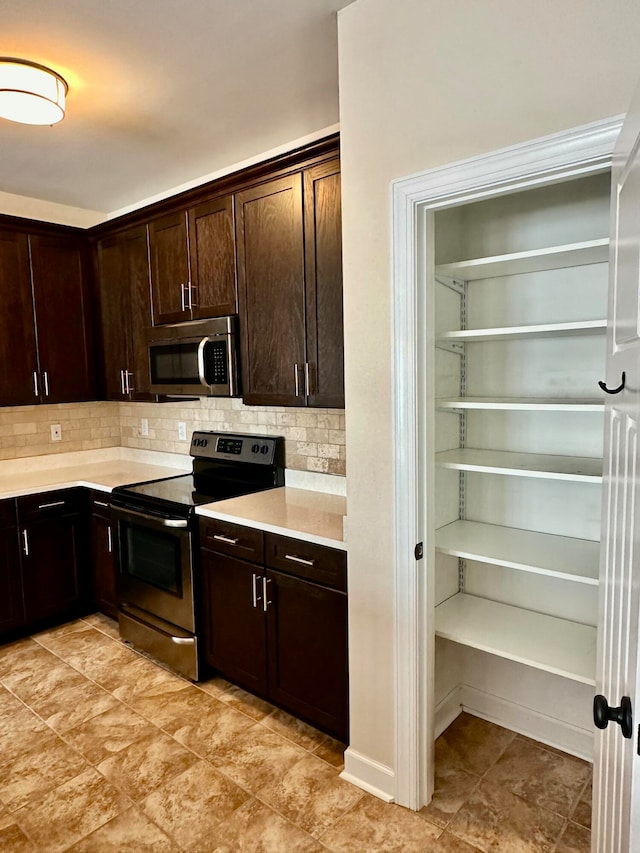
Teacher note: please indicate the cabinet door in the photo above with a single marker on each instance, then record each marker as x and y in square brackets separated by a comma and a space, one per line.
[170, 268]
[104, 565]
[323, 264]
[235, 624]
[115, 325]
[135, 243]
[213, 259]
[17, 335]
[308, 665]
[51, 561]
[63, 319]
[11, 611]
[270, 242]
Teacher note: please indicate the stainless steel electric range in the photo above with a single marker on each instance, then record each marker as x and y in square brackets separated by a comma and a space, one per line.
[157, 547]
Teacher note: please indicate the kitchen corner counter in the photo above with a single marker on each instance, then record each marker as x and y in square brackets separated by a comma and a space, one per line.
[93, 470]
[298, 513]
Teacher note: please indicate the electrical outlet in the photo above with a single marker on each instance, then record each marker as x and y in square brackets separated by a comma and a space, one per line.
[182, 431]
[56, 432]
[144, 426]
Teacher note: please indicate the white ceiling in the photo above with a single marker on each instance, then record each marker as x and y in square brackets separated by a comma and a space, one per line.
[162, 92]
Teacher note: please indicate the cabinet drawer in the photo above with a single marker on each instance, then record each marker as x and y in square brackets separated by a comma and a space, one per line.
[317, 563]
[47, 504]
[100, 504]
[7, 513]
[234, 539]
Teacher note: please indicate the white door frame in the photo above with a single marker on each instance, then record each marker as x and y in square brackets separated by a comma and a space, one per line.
[571, 153]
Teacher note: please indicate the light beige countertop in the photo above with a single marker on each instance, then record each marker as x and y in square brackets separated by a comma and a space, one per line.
[101, 470]
[298, 513]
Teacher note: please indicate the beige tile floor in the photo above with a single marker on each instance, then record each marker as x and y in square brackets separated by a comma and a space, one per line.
[102, 750]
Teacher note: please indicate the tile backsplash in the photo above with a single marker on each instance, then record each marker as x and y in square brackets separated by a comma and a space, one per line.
[26, 430]
[314, 438]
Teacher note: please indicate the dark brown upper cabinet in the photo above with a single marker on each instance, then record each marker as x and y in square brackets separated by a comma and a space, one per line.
[125, 303]
[288, 234]
[19, 378]
[45, 320]
[193, 263]
[323, 268]
[212, 252]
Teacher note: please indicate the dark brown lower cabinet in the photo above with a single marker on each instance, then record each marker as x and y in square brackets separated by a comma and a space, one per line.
[280, 634]
[307, 642]
[236, 641]
[11, 610]
[103, 559]
[54, 557]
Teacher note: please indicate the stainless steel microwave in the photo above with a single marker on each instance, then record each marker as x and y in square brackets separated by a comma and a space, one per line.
[195, 359]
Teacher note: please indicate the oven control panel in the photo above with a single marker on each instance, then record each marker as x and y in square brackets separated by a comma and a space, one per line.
[258, 449]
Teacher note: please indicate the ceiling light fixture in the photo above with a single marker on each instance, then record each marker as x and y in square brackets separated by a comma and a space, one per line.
[31, 93]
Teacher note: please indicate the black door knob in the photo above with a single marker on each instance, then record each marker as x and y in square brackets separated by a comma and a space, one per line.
[603, 714]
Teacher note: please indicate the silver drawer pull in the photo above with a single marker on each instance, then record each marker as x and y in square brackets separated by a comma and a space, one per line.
[227, 539]
[183, 641]
[300, 560]
[51, 505]
[101, 503]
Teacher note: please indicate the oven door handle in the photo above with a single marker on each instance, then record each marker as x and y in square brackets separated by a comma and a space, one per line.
[164, 522]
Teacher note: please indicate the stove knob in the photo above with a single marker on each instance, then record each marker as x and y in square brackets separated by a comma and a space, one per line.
[264, 449]
[255, 448]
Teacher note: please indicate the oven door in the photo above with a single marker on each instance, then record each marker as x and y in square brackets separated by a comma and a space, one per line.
[155, 565]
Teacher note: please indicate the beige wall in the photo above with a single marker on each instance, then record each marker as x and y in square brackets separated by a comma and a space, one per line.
[424, 83]
[314, 438]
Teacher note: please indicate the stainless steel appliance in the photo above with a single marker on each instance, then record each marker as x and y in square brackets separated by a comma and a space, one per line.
[158, 582]
[196, 359]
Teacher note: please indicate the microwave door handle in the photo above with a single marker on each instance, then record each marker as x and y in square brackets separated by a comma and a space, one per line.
[201, 376]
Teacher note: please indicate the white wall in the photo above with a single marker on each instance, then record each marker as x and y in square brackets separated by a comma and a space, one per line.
[424, 83]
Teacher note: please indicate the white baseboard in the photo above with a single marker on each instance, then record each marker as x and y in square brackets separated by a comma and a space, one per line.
[375, 778]
[447, 710]
[525, 721]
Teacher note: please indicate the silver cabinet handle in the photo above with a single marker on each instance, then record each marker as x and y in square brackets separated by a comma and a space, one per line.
[101, 503]
[127, 381]
[227, 539]
[300, 560]
[265, 601]
[183, 641]
[296, 380]
[36, 392]
[306, 379]
[254, 593]
[45, 379]
[182, 297]
[122, 391]
[109, 540]
[191, 287]
[51, 505]
[25, 543]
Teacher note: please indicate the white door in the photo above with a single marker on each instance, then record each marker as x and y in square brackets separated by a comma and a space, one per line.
[617, 764]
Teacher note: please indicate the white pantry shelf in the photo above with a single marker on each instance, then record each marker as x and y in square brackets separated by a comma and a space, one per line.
[525, 550]
[543, 642]
[535, 260]
[524, 404]
[548, 467]
[541, 330]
